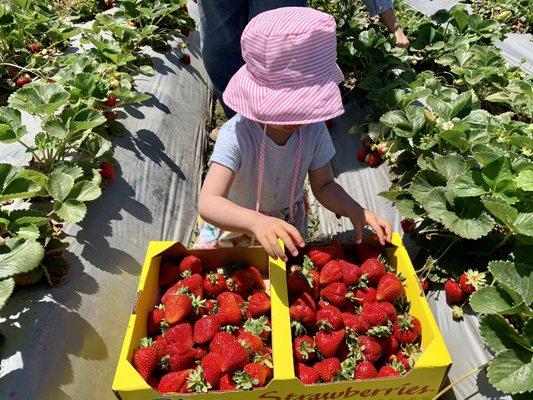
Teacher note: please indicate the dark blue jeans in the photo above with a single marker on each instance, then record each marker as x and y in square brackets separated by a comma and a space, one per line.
[221, 26]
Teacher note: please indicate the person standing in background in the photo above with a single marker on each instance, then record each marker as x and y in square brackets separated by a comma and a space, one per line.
[222, 23]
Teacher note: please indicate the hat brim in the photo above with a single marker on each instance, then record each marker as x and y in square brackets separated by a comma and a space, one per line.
[294, 105]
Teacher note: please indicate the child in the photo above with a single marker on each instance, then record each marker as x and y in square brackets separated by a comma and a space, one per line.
[282, 95]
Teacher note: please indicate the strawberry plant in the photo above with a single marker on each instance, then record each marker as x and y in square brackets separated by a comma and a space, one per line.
[514, 14]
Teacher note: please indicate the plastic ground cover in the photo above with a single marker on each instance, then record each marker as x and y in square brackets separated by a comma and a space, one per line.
[63, 343]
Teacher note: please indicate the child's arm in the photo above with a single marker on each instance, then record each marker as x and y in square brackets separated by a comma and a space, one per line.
[216, 209]
[332, 196]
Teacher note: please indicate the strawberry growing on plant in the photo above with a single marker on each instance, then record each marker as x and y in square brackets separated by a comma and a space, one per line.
[361, 155]
[186, 59]
[22, 80]
[34, 47]
[111, 100]
[471, 280]
[454, 293]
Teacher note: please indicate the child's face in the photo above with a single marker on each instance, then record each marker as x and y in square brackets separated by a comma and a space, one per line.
[287, 128]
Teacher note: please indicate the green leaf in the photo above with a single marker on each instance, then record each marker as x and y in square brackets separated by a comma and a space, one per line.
[439, 107]
[415, 114]
[6, 289]
[477, 118]
[451, 166]
[473, 227]
[19, 255]
[524, 180]
[493, 300]
[28, 232]
[456, 138]
[497, 172]
[55, 128]
[516, 276]
[511, 371]
[460, 105]
[524, 224]
[528, 331]
[425, 181]
[59, 185]
[11, 128]
[468, 185]
[18, 182]
[71, 210]
[85, 119]
[485, 154]
[39, 98]
[500, 335]
[501, 210]
[85, 191]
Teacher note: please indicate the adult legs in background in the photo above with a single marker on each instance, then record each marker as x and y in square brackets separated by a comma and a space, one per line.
[221, 26]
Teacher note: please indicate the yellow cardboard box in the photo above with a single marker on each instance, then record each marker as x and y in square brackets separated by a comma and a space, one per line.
[422, 382]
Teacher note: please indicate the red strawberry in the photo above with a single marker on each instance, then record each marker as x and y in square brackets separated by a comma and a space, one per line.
[390, 288]
[373, 269]
[186, 59]
[407, 328]
[180, 333]
[388, 371]
[174, 382]
[155, 317]
[329, 318]
[229, 311]
[258, 282]
[177, 308]
[297, 283]
[425, 285]
[320, 256]
[259, 373]
[370, 348]
[328, 343]
[211, 365]
[389, 345]
[241, 282]
[234, 357]
[361, 155]
[454, 293]
[307, 375]
[304, 348]
[408, 226]
[206, 328]
[221, 341]
[335, 293]
[160, 344]
[471, 280]
[12, 71]
[258, 304]
[180, 356]
[214, 284]
[251, 342]
[168, 273]
[258, 326]
[107, 171]
[22, 80]
[226, 383]
[328, 369]
[108, 3]
[373, 159]
[153, 382]
[34, 47]
[330, 273]
[365, 295]
[374, 314]
[351, 273]
[192, 264]
[146, 358]
[211, 306]
[201, 352]
[389, 309]
[365, 370]
[194, 283]
[355, 323]
[111, 100]
[303, 310]
[226, 295]
[366, 251]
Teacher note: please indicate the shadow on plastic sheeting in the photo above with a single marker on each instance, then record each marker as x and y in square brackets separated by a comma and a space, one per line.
[96, 230]
[145, 143]
[58, 333]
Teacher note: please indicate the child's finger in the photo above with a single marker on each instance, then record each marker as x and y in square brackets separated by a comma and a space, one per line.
[288, 242]
[265, 243]
[295, 235]
[379, 231]
[388, 229]
[274, 244]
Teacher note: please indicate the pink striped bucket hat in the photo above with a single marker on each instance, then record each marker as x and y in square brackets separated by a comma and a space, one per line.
[291, 75]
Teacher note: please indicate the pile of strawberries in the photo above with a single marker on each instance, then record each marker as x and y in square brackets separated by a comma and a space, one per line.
[350, 321]
[371, 153]
[210, 332]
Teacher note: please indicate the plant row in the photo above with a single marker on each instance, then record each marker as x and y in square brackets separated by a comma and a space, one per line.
[74, 98]
[453, 121]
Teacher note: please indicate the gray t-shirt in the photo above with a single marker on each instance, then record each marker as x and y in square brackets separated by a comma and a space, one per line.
[238, 146]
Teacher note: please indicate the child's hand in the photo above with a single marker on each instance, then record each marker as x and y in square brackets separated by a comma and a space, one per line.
[268, 230]
[362, 217]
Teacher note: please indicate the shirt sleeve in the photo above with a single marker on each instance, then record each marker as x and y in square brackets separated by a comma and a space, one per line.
[376, 7]
[324, 149]
[227, 149]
